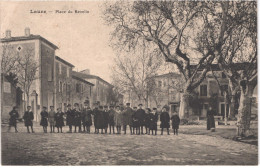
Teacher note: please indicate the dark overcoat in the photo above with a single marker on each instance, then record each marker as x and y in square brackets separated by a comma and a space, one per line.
[153, 118]
[106, 118]
[111, 114]
[210, 119]
[175, 121]
[140, 115]
[59, 119]
[95, 112]
[147, 120]
[77, 118]
[99, 119]
[28, 117]
[165, 120]
[135, 120]
[44, 119]
[127, 116]
[70, 117]
[13, 118]
[86, 117]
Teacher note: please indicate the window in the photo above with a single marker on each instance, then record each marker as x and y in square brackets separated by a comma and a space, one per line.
[59, 68]
[64, 87]
[172, 95]
[224, 88]
[159, 83]
[97, 91]
[164, 83]
[203, 90]
[68, 72]
[60, 86]
[49, 72]
[223, 75]
[82, 88]
[78, 87]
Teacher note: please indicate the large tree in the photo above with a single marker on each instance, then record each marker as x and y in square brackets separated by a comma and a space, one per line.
[238, 58]
[185, 32]
[134, 70]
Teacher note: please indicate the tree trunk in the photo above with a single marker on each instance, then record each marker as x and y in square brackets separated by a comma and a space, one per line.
[185, 109]
[244, 111]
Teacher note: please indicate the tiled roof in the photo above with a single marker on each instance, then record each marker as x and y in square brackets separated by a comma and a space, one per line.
[88, 76]
[63, 61]
[30, 37]
[82, 80]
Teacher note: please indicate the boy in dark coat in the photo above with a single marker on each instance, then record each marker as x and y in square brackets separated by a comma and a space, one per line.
[13, 119]
[70, 114]
[28, 117]
[77, 118]
[175, 123]
[165, 120]
[153, 117]
[100, 119]
[86, 118]
[147, 120]
[127, 118]
[95, 113]
[111, 122]
[44, 119]
[59, 120]
[135, 120]
[106, 118]
[140, 115]
[210, 119]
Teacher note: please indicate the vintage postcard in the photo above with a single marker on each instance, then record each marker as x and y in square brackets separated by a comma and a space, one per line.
[128, 83]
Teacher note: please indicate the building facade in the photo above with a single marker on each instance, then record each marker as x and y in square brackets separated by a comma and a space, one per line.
[42, 90]
[100, 88]
[63, 82]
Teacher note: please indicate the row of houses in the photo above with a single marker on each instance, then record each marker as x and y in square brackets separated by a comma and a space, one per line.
[56, 83]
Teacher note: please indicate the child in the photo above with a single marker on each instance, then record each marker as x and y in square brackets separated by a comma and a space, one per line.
[153, 121]
[28, 117]
[118, 119]
[13, 117]
[52, 119]
[44, 119]
[86, 117]
[70, 118]
[175, 123]
[165, 120]
[106, 118]
[77, 119]
[59, 120]
[135, 120]
[111, 121]
[147, 121]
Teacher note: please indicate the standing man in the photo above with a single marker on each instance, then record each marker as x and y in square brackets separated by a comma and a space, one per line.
[77, 119]
[52, 119]
[70, 118]
[106, 118]
[210, 119]
[153, 117]
[165, 120]
[95, 113]
[111, 122]
[127, 118]
[13, 119]
[86, 117]
[28, 117]
[134, 120]
[141, 118]
[44, 119]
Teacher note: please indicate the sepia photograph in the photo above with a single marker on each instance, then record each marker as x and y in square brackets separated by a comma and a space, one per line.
[102, 83]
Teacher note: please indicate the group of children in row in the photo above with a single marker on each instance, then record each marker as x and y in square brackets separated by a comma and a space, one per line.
[104, 118]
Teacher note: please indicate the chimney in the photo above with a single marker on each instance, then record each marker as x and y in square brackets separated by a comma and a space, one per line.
[86, 71]
[27, 31]
[8, 34]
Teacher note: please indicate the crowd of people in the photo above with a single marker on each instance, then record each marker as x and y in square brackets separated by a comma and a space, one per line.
[106, 119]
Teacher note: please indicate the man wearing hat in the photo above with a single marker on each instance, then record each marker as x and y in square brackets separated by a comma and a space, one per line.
[86, 117]
[77, 118]
[70, 117]
[134, 120]
[127, 118]
[95, 113]
[111, 121]
[165, 120]
[140, 115]
[106, 118]
[28, 118]
[51, 116]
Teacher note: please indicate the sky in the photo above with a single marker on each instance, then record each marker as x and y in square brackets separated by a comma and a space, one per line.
[82, 38]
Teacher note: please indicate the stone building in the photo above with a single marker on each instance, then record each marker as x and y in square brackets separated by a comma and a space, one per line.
[100, 89]
[63, 82]
[81, 91]
[42, 90]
